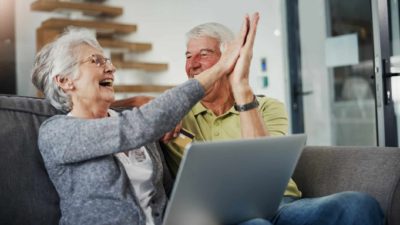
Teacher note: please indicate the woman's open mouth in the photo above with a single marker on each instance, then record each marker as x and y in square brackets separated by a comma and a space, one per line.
[106, 82]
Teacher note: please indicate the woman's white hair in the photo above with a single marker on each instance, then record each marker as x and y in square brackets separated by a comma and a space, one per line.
[214, 30]
[60, 57]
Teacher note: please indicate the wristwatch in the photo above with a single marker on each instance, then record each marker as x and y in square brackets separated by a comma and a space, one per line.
[247, 106]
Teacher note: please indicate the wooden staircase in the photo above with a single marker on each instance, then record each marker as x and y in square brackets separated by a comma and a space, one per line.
[91, 9]
[107, 32]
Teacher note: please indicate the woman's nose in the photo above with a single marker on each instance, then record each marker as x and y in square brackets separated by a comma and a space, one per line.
[109, 68]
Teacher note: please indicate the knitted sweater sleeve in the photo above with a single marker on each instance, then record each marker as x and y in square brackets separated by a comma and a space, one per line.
[64, 139]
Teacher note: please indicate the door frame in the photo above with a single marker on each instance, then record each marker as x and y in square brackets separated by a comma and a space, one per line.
[384, 107]
[294, 64]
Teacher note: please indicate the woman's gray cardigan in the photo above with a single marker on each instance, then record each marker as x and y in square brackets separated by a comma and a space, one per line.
[92, 184]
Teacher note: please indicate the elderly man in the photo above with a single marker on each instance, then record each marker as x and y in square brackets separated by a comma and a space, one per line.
[219, 115]
[229, 112]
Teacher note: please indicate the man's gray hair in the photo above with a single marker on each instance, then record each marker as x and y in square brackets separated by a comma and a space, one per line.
[214, 30]
[60, 57]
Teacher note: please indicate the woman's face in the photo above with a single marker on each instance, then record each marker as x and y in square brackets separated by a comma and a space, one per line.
[94, 83]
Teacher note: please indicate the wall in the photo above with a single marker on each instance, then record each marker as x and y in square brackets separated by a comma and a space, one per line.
[164, 23]
[26, 23]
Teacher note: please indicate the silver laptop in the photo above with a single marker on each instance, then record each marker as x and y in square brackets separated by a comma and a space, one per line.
[221, 183]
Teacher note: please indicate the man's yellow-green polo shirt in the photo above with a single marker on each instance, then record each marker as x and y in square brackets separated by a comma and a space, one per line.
[204, 125]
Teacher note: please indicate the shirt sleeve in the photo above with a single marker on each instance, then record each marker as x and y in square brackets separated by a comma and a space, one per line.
[65, 139]
[274, 116]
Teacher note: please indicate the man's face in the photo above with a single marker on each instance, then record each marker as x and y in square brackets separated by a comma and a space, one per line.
[201, 54]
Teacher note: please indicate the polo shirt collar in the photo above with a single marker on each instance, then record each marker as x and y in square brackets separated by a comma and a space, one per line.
[199, 109]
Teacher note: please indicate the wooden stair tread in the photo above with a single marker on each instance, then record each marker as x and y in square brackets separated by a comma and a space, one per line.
[93, 9]
[119, 62]
[131, 46]
[142, 88]
[100, 26]
[150, 67]
[44, 36]
[97, 1]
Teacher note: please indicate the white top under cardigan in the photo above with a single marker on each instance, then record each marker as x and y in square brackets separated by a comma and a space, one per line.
[139, 168]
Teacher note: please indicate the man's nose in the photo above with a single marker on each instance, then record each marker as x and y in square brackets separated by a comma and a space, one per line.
[195, 62]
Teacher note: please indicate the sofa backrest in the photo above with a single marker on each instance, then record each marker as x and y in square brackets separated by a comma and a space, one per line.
[27, 195]
[374, 170]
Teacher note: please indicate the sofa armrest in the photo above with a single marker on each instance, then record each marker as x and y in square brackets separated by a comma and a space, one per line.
[326, 170]
[27, 195]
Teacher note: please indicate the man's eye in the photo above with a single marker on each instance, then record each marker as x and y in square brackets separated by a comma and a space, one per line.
[93, 60]
[204, 54]
[188, 56]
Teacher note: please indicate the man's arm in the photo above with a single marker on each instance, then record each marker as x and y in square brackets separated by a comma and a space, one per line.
[251, 121]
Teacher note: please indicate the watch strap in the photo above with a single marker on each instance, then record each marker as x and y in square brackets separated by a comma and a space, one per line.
[248, 106]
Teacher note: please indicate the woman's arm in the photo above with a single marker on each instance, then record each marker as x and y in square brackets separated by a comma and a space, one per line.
[68, 139]
[251, 121]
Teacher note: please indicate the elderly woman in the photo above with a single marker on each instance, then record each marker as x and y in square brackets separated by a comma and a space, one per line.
[106, 166]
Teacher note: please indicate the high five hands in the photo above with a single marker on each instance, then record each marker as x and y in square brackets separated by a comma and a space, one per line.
[239, 78]
[235, 63]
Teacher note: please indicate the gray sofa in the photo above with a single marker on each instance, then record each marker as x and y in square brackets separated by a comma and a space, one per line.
[27, 196]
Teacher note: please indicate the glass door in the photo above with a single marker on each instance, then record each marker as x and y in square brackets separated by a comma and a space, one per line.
[333, 84]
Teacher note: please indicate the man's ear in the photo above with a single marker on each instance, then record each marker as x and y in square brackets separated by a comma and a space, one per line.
[64, 83]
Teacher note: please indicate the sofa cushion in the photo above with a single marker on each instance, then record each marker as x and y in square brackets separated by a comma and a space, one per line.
[27, 195]
[393, 214]
[374, 170]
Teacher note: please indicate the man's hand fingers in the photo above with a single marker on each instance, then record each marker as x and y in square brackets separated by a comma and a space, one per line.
[172, 134]
[177, 129]
[252, 30]
[167, 137]
[244, 30]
